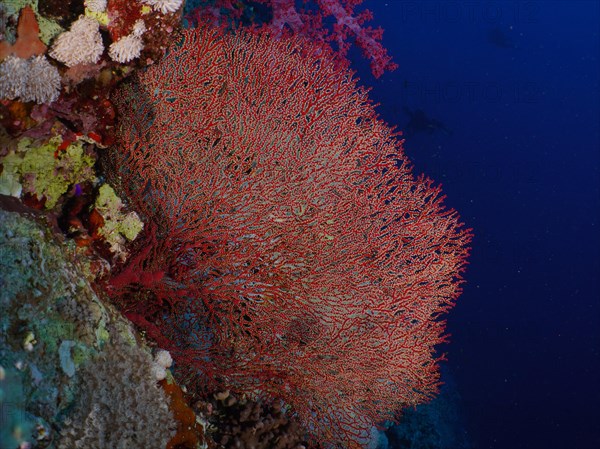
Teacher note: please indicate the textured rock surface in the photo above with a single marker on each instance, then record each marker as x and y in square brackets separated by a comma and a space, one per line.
[57, 339]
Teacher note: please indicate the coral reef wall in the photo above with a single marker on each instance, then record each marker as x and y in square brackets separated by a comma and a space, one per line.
[71, 368]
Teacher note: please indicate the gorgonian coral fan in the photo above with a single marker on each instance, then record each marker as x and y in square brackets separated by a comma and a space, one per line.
[289, 252]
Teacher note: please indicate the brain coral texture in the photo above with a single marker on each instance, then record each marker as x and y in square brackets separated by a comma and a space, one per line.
[289, 252]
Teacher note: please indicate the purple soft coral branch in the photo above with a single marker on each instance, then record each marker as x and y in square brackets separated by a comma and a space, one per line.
[284, 13]
[348, 24]
[372, 49]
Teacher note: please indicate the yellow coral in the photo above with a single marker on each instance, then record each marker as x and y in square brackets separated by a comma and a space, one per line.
[118, 225]
[43, 171]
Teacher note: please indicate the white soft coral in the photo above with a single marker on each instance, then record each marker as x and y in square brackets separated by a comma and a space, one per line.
[165, 6]
[162, 361]
[95, 5]
[82, 44]
[33, 79]
[128, 47]
[43, 81]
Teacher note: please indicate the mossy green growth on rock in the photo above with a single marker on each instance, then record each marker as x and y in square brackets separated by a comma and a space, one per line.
[55, 332]
[17, 425]
[44, 302]
[42, 170]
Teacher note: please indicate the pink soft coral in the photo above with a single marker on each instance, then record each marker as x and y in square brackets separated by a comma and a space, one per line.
[308, 22]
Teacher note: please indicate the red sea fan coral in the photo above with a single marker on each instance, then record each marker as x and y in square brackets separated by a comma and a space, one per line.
[288, 252]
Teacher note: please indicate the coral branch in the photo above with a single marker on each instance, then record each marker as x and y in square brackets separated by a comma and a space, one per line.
[349, 27]
[28, 42]
[301, 258]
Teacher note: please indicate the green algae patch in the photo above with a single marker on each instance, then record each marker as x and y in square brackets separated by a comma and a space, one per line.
[119, 225]
[45, 170]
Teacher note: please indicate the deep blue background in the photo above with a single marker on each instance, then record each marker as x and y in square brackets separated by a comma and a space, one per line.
[522, 167]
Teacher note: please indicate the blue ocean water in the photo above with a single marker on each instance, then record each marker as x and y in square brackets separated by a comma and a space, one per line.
[510, 95]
